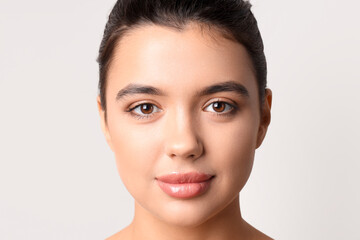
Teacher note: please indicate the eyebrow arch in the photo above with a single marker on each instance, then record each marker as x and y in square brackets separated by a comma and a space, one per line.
[229, 86]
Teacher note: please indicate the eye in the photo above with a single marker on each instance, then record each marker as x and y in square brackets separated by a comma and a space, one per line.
[221, 108]
[143, 110]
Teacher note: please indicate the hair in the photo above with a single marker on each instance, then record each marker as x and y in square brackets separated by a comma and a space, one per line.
[232, 18]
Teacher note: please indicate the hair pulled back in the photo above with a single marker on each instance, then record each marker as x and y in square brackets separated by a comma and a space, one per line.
[232, 18]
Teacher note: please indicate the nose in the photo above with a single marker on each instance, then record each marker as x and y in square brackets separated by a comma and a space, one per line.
[182, 140]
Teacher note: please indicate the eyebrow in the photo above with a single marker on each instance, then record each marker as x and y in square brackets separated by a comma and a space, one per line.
[229, 86]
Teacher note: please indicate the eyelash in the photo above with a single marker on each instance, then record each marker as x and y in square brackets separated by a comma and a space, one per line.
[147, 116]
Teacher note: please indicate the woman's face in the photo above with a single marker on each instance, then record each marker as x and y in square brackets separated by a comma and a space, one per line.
[180, 102]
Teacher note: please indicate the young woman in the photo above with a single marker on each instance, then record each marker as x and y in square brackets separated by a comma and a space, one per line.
[184, 105]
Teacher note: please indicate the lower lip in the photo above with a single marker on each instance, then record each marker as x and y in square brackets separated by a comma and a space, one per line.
[184, 190]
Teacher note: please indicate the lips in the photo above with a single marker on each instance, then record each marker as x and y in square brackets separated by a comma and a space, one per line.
[185, 185]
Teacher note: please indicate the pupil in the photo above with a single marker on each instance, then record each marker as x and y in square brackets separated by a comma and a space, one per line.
[146, 108]
[219, 106]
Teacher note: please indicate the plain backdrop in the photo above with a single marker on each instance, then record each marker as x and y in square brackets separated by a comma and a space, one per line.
[58, 178]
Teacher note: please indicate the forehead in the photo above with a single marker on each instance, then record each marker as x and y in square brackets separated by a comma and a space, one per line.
[188, 59]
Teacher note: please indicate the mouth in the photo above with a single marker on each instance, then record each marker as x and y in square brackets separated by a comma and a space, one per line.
[184, 185]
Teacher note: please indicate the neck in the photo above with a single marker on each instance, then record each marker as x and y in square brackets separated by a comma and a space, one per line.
[223, 225]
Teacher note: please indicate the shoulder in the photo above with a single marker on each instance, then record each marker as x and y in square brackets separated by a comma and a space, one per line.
[262, 236]
[124, 234]
[256, 234]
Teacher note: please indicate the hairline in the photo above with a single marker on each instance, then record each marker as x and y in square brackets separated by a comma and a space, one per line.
[207, 29]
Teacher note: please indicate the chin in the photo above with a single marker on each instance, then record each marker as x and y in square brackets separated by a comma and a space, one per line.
[185, 221]
[186, 214]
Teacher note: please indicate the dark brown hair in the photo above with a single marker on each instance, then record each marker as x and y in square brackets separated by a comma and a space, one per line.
[232, 18]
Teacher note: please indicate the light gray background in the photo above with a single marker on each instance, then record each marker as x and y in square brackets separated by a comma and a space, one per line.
[58, 178]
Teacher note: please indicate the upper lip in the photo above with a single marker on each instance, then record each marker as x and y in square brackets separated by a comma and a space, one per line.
[189, 177]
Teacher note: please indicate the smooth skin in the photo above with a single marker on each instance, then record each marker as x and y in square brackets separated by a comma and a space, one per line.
[182, 131]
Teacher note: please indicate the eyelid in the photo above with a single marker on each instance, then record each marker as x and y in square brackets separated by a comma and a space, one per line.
[142, 116]
[233, 107]
[229, 102]
[137, 103]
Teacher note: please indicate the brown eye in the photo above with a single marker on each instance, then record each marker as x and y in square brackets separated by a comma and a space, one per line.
[219, 106]
[146, 108]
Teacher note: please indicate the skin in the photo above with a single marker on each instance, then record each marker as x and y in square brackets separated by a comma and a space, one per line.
[183, 132]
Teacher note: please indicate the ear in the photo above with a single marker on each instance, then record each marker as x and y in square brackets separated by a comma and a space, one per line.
[104, 126]
[265, 117]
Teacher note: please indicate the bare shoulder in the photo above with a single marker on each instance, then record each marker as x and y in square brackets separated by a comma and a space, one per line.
[124, 234]
[256, 234]
[261, 236]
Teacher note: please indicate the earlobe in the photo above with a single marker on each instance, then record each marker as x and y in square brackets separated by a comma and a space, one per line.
[265, 117]
[104, 126]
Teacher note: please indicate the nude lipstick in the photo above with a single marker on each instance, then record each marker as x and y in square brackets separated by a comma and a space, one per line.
[184, 185]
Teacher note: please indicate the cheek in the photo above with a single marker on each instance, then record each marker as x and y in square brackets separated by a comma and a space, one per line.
[233, 150]
[135, 154]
